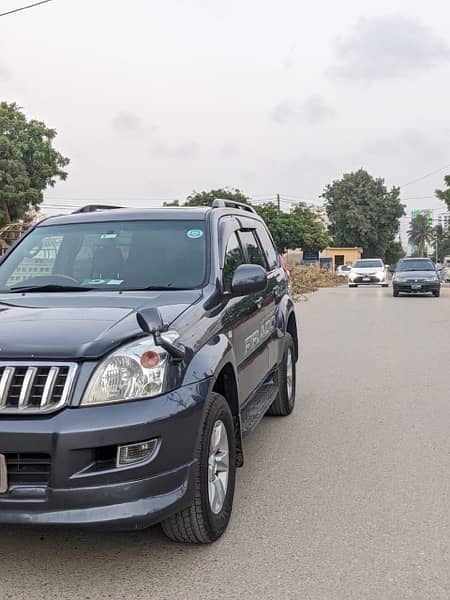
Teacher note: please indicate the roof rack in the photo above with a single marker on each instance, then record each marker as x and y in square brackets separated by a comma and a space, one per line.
[94, 208]
[222, 203]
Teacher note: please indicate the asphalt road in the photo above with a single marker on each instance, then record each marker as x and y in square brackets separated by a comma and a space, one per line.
[349, 498]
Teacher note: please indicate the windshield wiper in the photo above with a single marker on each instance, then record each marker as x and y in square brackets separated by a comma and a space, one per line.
[155, 288]
[51, 287]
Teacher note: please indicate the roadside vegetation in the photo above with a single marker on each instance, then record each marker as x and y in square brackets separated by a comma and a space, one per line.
[305, 280]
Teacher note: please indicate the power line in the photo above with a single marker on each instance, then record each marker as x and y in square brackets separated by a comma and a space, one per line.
[15, 10]
[424, 176]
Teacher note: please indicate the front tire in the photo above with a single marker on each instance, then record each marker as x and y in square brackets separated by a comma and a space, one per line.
[352, 285]
[437, 293]
[284, 403]
[395, 293]
[206, 519]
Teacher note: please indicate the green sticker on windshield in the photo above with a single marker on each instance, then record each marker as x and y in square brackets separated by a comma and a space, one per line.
[194, 234]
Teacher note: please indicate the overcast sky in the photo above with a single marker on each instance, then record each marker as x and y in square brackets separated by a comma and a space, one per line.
[155, 98]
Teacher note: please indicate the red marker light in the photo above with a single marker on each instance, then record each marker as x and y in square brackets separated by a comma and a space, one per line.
[150, 359]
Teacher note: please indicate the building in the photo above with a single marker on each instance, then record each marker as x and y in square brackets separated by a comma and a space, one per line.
[340, 256]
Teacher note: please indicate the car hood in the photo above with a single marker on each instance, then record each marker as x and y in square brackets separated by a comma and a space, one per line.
[79, 325]
[415, 274]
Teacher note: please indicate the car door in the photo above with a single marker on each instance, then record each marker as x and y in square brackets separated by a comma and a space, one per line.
[241, 319]
[261, 322]
[277, 287]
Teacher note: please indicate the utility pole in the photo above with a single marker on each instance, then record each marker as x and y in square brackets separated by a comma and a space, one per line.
[436, 249]
[278, 202]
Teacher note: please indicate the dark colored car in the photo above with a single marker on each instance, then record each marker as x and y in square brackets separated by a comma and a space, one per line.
[416, 276]
[137, 347]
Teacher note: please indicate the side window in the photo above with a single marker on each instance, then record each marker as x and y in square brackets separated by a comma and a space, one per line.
[233, 258]
[251, 247]
[268, 247]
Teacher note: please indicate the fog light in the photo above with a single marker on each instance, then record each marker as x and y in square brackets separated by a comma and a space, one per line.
[136, 453]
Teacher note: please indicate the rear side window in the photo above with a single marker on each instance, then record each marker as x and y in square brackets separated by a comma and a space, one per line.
[268, 247]
[252, 249]
[233, 258]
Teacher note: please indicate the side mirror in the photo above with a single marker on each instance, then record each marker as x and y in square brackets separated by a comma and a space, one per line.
[150, 320]
[248, 279]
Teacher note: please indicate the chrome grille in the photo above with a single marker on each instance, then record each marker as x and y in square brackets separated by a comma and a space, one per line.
[35, 387]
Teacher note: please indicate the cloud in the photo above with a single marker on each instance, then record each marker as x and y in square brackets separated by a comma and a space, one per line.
[288, 60]
[388, 47]
[4, 73]
[228, 151]
[128, 125]
[410, 143]
[312, 111]
[183, 151]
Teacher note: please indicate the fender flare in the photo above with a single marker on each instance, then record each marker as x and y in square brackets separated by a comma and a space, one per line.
[208, 363]
[285, 309]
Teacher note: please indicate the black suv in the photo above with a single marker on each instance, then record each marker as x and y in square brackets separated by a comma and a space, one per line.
[136, 348]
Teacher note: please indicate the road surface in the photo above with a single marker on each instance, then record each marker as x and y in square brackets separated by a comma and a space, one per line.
[349, 498]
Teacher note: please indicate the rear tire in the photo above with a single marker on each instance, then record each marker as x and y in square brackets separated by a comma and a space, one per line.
[284, 403]
[199, 523]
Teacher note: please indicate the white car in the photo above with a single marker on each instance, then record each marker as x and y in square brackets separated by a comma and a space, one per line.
[368, 271]
[343, 270]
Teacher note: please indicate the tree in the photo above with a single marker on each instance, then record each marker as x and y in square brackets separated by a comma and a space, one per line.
[300, 228]
[394, 252]
[172, 203]
[420, 234]
[28, 163]
[363, 213]
[207, 198]
[441, 242]
[444, 195]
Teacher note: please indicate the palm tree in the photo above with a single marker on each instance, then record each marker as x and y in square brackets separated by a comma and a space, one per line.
[420, 234]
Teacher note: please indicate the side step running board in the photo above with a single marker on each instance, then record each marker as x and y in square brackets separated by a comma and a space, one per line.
[257, 406]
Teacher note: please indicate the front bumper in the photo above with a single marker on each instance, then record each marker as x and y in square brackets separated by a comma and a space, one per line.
[367, 281]
[82, 485]
[408, 287]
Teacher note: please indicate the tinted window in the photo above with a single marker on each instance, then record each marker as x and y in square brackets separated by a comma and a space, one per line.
[125, 255]
[268, 247]
[368, 264]
[415, 265]
[251, 247]
[233, 258]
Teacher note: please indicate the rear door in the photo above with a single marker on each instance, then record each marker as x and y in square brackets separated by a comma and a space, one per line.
[277, 287]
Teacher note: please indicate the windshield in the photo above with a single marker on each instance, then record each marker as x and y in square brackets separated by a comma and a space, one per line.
[129, 255]
[368, 264]
[415, 265]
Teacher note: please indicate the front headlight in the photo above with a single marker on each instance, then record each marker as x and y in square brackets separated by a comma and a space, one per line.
[381, 275]
[133, 371]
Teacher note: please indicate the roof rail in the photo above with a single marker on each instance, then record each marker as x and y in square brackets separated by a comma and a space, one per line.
[94, 207]
[223, 203]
